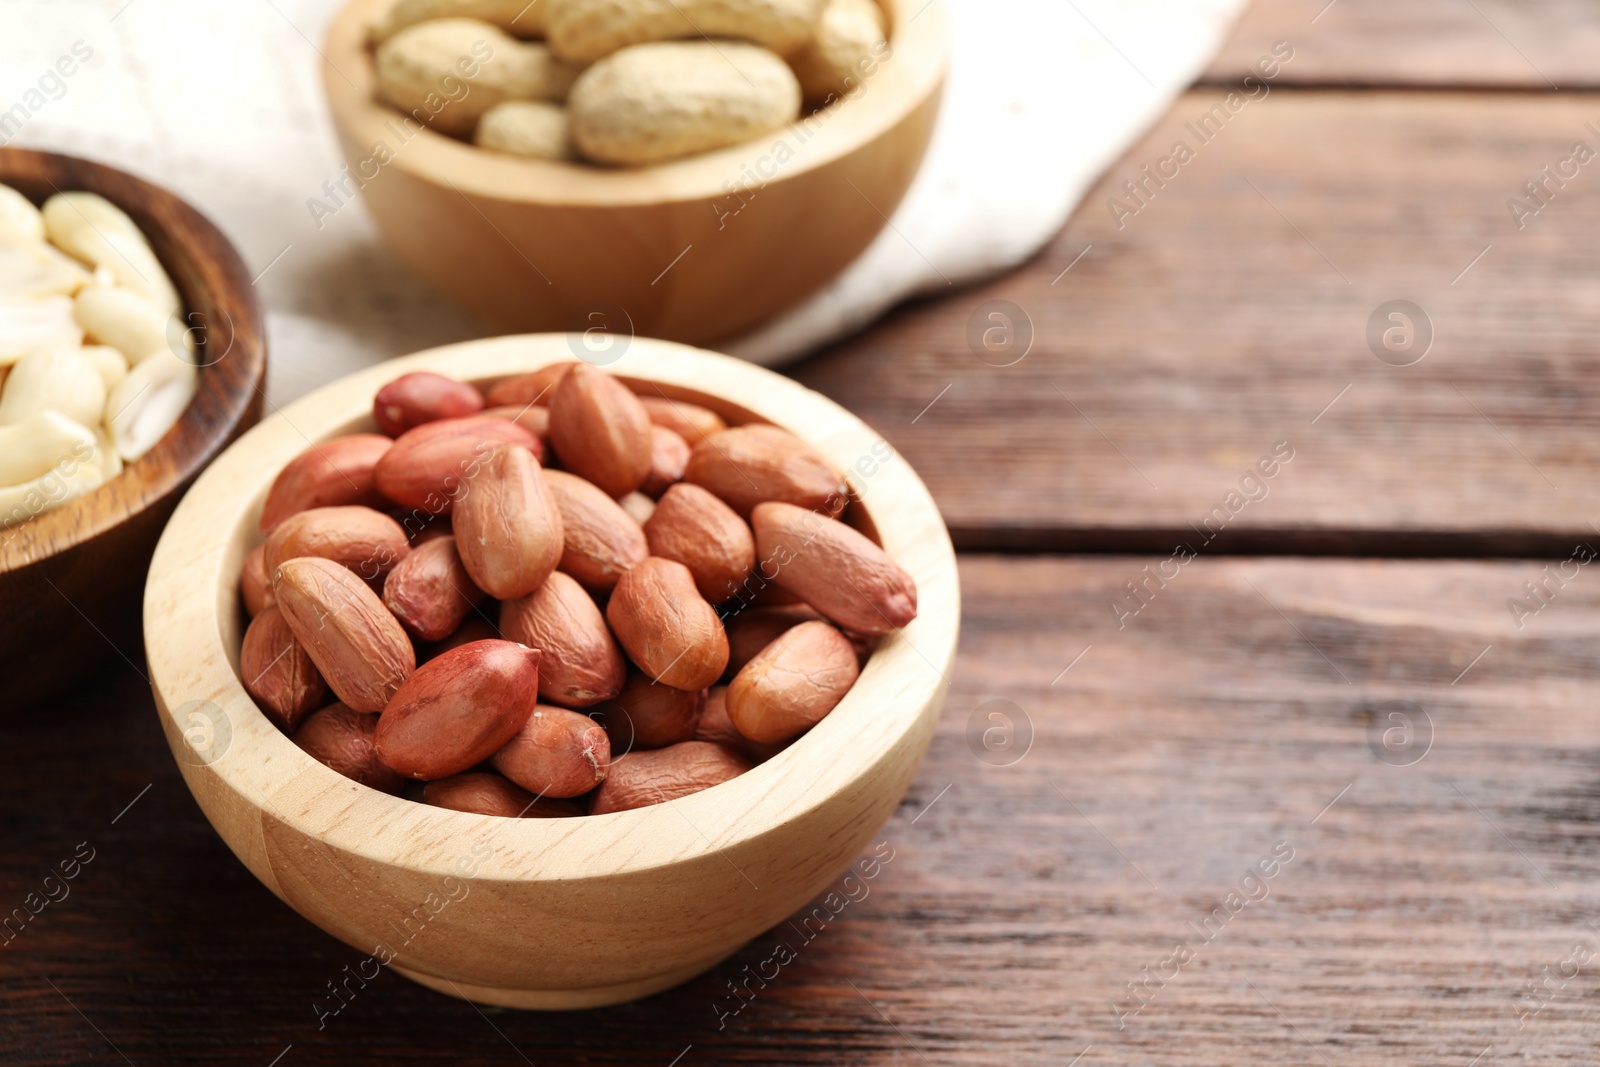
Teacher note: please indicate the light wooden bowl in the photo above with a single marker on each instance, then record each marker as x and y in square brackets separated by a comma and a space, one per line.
[536, 245]
[559, 913]
[70, 578]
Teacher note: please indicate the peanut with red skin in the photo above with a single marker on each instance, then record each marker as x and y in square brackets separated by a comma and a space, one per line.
[582, 664]
[341, 739]
[666, 626]
[359, 648]
[792, 684]
[278, 672]
[367, 542]
[434, 466]
[422, 397]
[834, 568]
[693, 527]
[647, 714]
[601, 542]
[480, 793]
[664, 774]
[508, 528]
[557, 753]
[329, 474]
[600, 430]
[749, 465]
[430, 591]
[457, 710]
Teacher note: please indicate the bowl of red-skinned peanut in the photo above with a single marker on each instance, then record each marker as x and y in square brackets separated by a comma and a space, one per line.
[552, 684]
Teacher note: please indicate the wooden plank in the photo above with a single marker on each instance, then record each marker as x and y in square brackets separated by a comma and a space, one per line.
[1506, 44]
[1228, 310]
[1244, 706]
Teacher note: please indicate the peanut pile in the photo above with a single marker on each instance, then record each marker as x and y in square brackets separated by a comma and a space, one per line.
[95, 366]
[621, 82]
[560, 598]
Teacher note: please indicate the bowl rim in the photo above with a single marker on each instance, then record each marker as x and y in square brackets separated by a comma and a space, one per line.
[192, 629]
[216, 288]
[918, 39]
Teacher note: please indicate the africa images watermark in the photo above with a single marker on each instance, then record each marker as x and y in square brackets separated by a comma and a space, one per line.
[755, 177]
[1253, 888]
[51, 85]
[853, 889]
[1253, 489]
[453, 889]
[450, 90]
[1141, 192]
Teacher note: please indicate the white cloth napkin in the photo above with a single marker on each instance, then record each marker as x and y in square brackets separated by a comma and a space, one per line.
[222, 103]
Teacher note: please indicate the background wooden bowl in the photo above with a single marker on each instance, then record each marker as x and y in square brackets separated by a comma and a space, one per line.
[70, 577]
[664, 251]
[544, 913]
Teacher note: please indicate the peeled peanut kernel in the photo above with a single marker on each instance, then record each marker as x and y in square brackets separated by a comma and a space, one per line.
[30, 447]
[147, 404]
[654, 102]
[584, 30]
[54, 379]
[74, 473]
[98, 232]
[108, 362]
[530, 128]
[32, 322]
[447, 72]
[32, 268]
[18, 216]
[518, 17]
[130, 323]
[638, 506]
[847, 47]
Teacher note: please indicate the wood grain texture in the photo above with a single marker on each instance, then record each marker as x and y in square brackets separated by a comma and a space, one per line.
[74, 574]
[546, 913]
[694, 250]
[1500, 44]
[1015, 910]
[1232, 310]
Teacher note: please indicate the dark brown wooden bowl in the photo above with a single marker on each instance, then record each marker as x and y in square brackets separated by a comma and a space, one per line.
[71, 578]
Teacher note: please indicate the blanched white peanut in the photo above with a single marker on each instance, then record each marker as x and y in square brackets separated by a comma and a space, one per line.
[448, 72]
[525, 128]
[30, 448]
[53, 379]
[110, 364]
[31, 322]
[129, 322]
[149, 401]
[98, 232]
[73, 478]
[18, 216]
[520, 18]
[33, 268]
[585, 30]
[848, 45]
[653, 102]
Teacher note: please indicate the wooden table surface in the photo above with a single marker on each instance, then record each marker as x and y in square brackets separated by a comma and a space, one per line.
[1408, 755]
